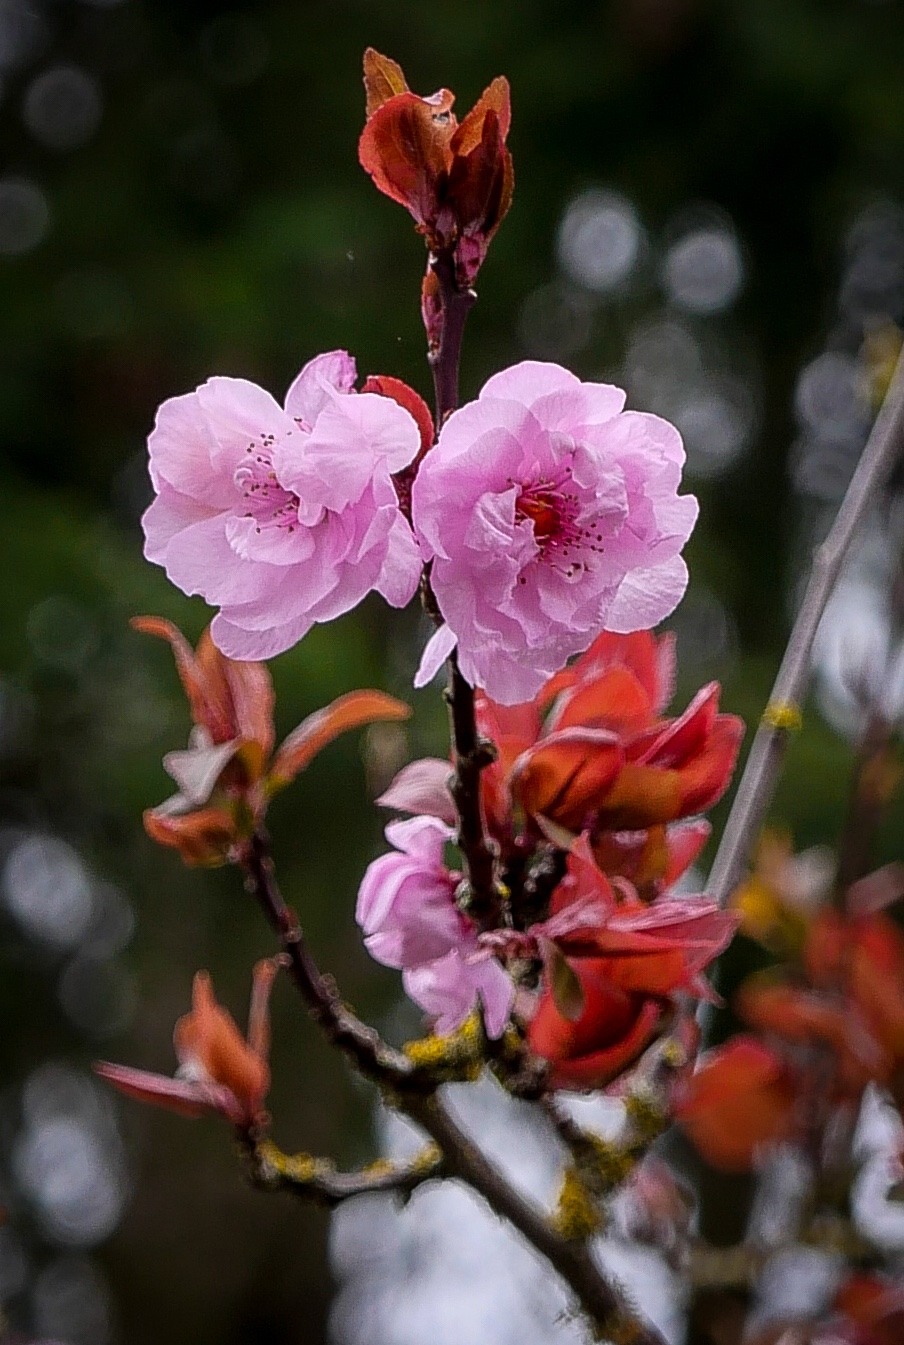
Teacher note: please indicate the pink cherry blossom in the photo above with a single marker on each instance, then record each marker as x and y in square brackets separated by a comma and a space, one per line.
[282, 517]
[549, 513]
[406, 907]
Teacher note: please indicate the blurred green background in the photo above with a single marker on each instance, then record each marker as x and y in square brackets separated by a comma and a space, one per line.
[708, 208]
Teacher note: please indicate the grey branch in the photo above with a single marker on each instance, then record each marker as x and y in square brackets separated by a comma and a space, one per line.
[883, 450]
[319, 1181]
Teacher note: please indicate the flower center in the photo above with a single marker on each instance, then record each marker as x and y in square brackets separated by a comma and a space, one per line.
[266, 501]
[555, 511]
[540, 507]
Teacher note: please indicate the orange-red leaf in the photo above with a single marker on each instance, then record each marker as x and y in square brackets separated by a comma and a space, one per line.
[740, 1099]
[312, 735]
[203, 837]
[190, 675]
[496, 99]
[567, 775]
[208, 1037]
[183, 1096]
[405, 148]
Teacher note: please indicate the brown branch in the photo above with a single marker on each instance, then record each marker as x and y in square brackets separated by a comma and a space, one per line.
[881, 453]
[601, 1300]
[370, 1055]
[411, 1090]
[444, 358]
[481, 899]
[319, 1181]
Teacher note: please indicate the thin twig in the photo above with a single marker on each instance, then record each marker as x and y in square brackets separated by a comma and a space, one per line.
[319, 1181]
[882, 451]
[372, 1056]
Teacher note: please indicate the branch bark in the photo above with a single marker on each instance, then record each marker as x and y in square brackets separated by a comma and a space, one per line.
[370, 1055]
[320, 1182]
[408, 1089]
[600, 1300]
[471, 753]
[882, 451]
[445, 357]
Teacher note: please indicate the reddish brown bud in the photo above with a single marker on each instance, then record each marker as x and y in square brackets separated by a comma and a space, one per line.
[454, 179]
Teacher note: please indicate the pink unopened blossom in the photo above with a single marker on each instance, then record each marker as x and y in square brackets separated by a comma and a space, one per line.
[282, 517]
[406, 907]
[549, 513]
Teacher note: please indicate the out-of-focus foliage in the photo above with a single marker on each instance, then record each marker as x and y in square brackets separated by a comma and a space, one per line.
[708, 207]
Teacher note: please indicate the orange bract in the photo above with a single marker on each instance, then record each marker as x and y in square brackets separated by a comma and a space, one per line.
[220, 1072]
[608, 1035]
[605, 760]
[230, 771]
[740, 1099]
[207, 1040]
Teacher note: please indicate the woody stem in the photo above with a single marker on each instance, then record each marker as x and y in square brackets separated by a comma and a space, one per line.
[445, 356]
[372, 1056]
[571, 1259]
[472, 754]
[883, 449]
[458, 1156]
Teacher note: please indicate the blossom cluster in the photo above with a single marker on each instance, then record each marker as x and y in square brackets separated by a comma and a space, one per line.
[534, 896]
[544, 511]
[595, 968]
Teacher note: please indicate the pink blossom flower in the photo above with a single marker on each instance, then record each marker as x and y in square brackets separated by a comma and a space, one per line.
[406, 907]
[549, 513]
[282, 517]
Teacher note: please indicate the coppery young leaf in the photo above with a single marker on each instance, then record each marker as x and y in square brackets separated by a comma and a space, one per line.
[383, 79]
[348, 712]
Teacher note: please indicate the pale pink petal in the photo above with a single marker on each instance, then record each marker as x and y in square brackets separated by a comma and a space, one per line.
[437, 650]
[528, 381]
[422, 787]
[643, 433]
[423, 838]
[182, 450]
[239, 413]
[587, 404]
[352, 438]
[309, 393]
[285, 545]
[168, 514]
[401, 572]
[507, 423]
[497, 994]
[406, 902]
[449, 989]
[646, 597]
[200, 560]
[255, 646]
